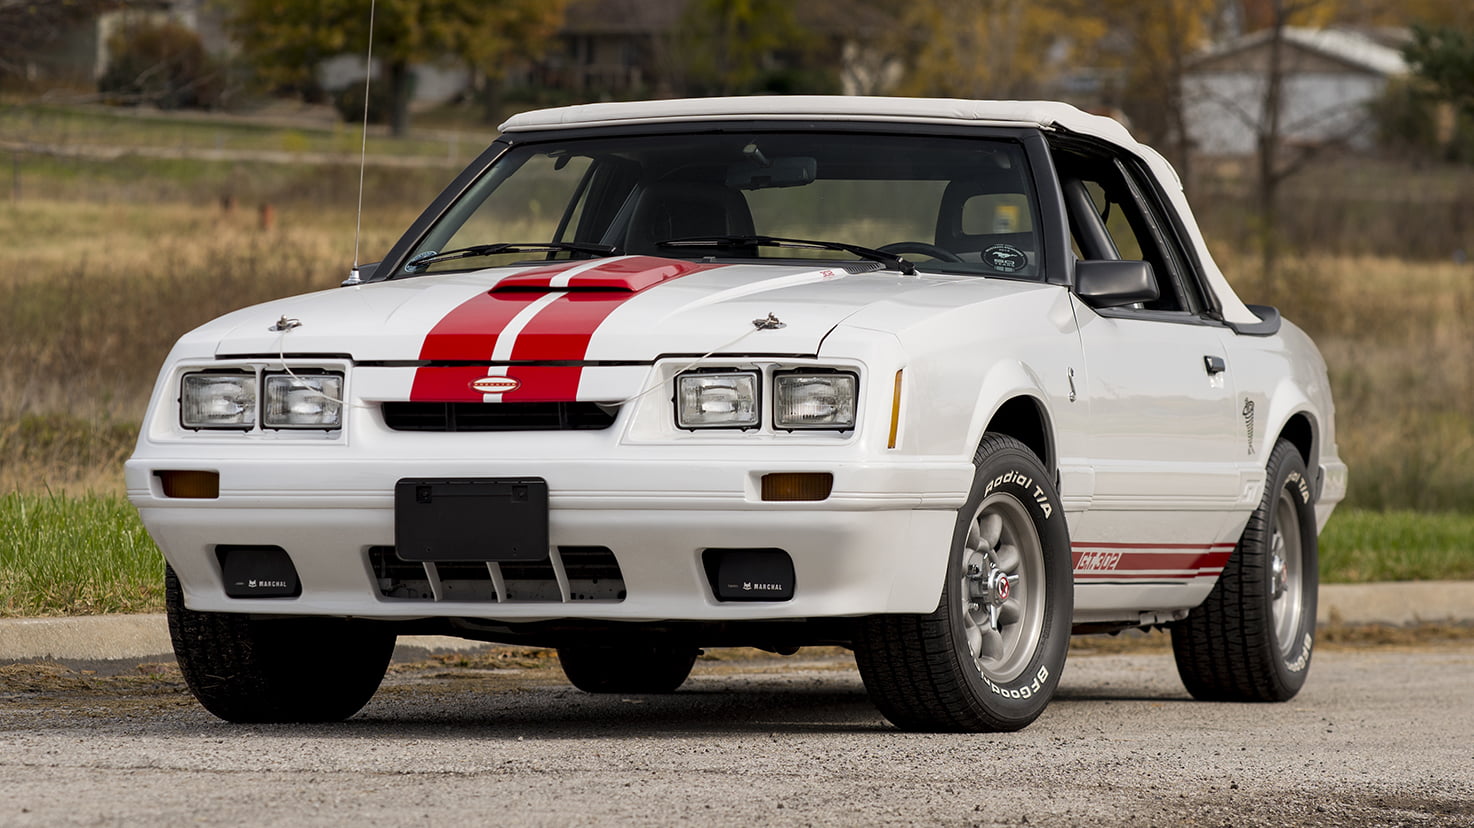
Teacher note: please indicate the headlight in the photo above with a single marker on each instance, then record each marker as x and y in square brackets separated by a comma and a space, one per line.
[218, 401]
[728, 400]
[303, 401]
[814, 401]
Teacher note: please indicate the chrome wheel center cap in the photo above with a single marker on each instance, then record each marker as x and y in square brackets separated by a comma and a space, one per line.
[998, 587]
[1279, 575]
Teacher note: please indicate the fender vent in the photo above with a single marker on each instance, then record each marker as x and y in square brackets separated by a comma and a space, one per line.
[569, 574]
[470, 416]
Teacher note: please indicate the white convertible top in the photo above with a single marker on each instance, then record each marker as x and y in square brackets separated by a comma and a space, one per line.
[1049, 115]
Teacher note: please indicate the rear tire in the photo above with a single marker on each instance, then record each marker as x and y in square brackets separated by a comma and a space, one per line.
[250, 670]
[989, 656]
[1251, 640]
[634, 668]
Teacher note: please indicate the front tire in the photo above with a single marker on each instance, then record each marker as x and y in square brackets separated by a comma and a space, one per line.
[635, 668]
[248, 670]
[989, 657]
[1251, 640]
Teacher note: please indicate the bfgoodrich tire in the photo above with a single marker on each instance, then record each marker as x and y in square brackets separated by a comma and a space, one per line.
[990, 655]
[278, 670]
[632, 668]
[1251, 640]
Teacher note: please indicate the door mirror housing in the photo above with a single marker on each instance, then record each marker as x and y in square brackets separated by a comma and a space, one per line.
[1105, 283]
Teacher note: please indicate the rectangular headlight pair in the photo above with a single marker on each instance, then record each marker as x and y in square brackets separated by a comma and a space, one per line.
[229, 401]
[734, 400]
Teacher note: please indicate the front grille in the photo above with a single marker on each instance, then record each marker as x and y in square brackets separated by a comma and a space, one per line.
[570, 573]
[514, 416]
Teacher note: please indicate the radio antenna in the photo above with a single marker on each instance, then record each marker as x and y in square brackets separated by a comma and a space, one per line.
[354, 277]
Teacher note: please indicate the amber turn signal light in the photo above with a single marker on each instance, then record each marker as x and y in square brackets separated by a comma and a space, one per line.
[190, 484]
[797, 486]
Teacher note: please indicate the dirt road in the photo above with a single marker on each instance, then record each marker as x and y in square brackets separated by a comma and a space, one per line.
[1381, 736]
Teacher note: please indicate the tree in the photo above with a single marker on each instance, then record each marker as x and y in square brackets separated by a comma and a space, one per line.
[1149, 46]
[990, 48]
[287, 40]
[732, 45]
[1443, 57]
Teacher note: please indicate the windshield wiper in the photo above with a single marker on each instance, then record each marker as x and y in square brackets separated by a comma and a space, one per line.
[430, 257]
[890, 260]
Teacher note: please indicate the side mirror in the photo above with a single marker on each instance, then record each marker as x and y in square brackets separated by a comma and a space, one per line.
[1105, 283]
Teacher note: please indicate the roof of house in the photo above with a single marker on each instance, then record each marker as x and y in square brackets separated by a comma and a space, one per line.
[1353, 49]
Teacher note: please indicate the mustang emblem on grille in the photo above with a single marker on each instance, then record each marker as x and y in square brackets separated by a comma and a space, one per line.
[495, 385]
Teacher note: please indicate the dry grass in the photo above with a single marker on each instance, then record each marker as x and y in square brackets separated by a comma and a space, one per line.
[1398, 338]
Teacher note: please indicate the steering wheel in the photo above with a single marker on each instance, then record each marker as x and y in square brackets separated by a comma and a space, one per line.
[925, 249]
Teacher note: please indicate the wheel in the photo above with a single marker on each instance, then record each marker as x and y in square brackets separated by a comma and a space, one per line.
[1252, 639]
[635, 668]
[924, 248]
[278, 670]
[990, 655]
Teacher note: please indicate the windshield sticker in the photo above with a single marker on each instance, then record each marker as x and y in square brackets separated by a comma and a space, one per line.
[1005, 258]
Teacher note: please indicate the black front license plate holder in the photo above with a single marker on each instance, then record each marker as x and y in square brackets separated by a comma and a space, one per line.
[475, 519]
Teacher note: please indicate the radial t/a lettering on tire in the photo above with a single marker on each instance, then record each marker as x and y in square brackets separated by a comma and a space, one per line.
[990, 655]
[1251, 640]
[244, 669]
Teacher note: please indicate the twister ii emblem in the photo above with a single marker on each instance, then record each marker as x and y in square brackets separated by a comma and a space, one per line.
[495, 385]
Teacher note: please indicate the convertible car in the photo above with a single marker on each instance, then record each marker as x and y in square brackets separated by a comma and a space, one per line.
[940, 381]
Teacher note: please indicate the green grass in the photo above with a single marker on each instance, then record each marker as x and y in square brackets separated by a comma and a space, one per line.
[63, 555]
[88, 554]
[121, 127]
[1360, 545]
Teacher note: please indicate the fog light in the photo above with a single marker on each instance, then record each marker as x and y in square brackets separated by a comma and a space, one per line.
[203, 485]
[797, 486]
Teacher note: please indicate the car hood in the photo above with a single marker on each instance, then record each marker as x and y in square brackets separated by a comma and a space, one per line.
[633, 308]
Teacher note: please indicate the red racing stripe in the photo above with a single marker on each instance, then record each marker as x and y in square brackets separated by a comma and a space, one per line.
[560, 331]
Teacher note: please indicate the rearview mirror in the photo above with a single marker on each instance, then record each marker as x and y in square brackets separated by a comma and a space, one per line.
[783, 171]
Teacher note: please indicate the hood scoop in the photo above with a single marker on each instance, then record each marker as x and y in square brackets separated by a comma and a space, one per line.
[627, 274]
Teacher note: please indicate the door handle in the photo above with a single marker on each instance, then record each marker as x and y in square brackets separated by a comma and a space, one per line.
[1214, 365]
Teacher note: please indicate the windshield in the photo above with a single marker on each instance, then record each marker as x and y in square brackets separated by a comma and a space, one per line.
[946, 204]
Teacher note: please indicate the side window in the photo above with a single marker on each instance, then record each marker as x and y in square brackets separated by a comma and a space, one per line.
[1111, 217]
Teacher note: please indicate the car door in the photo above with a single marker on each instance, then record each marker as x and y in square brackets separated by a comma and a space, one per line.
[1165, 437]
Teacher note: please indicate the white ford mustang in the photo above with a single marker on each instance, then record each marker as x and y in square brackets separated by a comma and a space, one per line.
[939, 381]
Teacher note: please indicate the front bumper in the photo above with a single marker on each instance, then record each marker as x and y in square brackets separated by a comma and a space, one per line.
[878, 544]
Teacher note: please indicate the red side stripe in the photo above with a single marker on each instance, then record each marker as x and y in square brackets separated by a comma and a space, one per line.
[1149, 561]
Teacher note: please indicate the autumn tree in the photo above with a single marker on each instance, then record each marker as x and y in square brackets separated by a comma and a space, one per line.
[990, 48]
[1147, 49]
[734, 46]
[286, 40]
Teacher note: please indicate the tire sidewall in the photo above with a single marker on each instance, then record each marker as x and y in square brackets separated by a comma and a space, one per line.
[1013, 471]
[1288, 473]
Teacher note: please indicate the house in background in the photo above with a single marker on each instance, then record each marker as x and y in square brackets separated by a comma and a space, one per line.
[1330, 78]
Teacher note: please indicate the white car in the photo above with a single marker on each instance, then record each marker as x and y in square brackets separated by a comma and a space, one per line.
[940, 381]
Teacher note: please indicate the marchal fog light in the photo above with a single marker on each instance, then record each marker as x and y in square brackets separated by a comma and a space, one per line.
[303, 401]
[218, 401]
[726, 400]
[821, 401]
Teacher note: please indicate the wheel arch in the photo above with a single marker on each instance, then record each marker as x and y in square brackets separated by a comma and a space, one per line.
[1024, 418]
[1299, 430]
